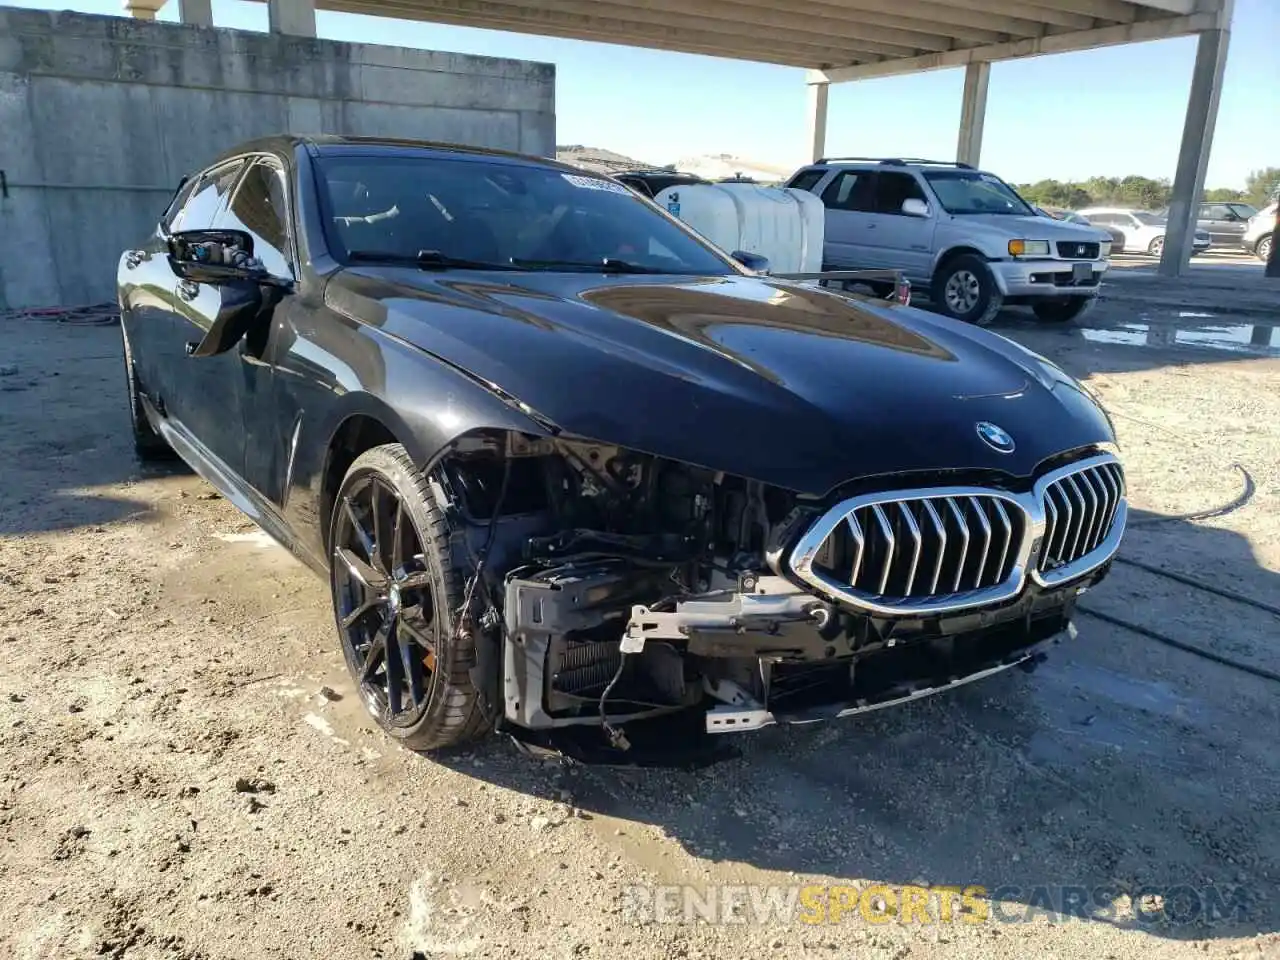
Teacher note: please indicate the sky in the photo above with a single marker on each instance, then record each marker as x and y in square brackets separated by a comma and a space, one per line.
[1108, 112]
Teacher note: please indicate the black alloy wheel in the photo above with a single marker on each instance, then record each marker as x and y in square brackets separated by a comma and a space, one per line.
[395, 594]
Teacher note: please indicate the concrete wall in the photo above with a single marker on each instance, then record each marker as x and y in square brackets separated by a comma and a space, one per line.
[101, 116]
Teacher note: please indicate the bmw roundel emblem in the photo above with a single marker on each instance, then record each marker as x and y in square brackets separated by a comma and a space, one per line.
[997, 438]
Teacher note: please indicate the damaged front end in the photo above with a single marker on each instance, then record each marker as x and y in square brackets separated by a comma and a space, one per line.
[618, 588]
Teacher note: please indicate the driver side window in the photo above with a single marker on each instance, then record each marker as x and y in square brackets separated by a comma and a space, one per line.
[259, 209]
[206, 199]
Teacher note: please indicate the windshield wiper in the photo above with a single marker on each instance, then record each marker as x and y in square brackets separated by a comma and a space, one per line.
[426, 260]
[603, 265]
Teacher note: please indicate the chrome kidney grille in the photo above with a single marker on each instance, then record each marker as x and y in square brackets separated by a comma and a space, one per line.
[941, 549]
[925, 546]
[1080, 511]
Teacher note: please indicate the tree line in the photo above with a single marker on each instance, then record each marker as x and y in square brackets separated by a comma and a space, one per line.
[1143, 193]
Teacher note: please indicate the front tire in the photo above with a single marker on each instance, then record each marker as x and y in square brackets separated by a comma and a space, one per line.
[964, 289]
[1263, 250]
[396, 594]
[1061, 310]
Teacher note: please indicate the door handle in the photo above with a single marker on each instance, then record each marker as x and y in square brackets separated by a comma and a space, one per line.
[187, 290]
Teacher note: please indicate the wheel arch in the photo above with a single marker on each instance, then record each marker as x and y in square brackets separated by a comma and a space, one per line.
[359, 431]
[957, 251]
[370, 422]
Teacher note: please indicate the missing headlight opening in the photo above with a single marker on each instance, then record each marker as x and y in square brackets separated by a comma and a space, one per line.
[620, 587]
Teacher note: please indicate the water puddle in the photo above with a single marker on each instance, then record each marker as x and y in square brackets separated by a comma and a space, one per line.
[1260, 339]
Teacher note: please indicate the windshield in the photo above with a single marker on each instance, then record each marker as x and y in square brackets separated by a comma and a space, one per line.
[968, 191]
[473, 212]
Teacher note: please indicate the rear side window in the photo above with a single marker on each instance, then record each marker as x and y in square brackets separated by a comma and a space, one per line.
[259, 209]
[851, 190]
[807, 179]
[207, 198]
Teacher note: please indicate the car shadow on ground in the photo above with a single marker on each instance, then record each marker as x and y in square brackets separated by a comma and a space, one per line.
[56, 479]
[70, 490]
[1121, 768]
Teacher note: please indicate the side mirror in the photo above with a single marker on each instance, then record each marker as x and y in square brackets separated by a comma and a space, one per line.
[224, 260]
[217, 257]
[752, 261]
[211, 256]
[241, 303]
[915, 208]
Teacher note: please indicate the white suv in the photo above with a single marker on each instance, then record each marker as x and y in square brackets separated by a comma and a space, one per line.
[1260, 232]
[1143, 231]
[963, 235]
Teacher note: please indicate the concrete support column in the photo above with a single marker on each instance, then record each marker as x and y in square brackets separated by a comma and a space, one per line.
[143, 9]
[1197, 139]
[818, 93]
[1273, 261]
[196, 12]
[294, 17]
[973, 111]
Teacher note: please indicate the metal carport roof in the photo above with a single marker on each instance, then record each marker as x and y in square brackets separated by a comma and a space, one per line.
[845, 38]
[842, 40]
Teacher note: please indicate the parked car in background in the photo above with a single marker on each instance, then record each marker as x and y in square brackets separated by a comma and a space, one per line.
[1224, 222]
[961, 234]
[649, 183]
[1260, 232]
[1143, 230]
[1070, 216]
[566, 466]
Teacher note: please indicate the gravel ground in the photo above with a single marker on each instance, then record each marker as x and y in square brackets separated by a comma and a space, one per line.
[184, 771]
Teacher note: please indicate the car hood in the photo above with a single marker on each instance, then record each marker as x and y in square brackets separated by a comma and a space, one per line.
[781, 382]
[1032, 227]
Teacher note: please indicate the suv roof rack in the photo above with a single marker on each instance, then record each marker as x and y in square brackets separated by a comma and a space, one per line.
[654, 171]
[899, 161]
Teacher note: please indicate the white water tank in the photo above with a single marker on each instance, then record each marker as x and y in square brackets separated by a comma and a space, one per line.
[782, 224]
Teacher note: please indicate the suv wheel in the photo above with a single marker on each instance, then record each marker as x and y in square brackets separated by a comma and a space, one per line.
[1061, 309]
[396, 593]
[964, 289]
[1263, 250]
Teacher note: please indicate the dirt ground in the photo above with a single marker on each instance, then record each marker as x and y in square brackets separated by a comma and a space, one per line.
[185, 773]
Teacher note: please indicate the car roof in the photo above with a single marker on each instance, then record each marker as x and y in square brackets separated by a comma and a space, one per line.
[657, 174]
[333, 144]
[914, 163]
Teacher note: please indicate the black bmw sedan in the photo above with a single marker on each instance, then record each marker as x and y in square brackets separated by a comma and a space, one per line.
[570, 469]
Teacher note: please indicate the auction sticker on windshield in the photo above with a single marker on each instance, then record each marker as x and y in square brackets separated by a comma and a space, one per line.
[593, 183]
